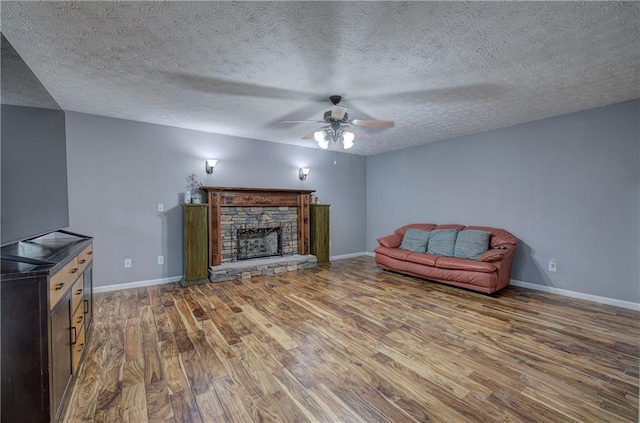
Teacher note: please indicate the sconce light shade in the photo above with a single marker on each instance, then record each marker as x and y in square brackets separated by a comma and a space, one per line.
[303, 172]
[209, 164]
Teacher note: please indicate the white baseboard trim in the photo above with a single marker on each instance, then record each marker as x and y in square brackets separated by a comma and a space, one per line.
[552, 290]
[350, 255]
[573, 294]
[139, 284]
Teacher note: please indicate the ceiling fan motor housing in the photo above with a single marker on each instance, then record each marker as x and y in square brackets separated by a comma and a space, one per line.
[329, 119]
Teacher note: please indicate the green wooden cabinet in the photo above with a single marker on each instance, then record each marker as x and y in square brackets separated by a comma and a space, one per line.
[196, 260]
[319, 232]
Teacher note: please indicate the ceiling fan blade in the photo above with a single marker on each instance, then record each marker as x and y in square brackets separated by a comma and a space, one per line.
[300, 121]
[380, 123]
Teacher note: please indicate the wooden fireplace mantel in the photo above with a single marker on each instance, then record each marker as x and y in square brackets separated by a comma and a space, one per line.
[218, 197]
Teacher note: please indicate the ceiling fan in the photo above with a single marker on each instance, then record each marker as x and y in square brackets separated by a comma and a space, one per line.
[338, 128]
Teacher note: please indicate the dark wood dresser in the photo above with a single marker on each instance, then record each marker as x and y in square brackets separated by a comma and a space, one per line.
[46, 313]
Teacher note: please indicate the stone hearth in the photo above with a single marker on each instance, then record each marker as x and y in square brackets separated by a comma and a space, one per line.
[246, 269]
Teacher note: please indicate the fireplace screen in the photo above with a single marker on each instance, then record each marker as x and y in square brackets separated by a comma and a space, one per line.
[259, 242]
[260, 235]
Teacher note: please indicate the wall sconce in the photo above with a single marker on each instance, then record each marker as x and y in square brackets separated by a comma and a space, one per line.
[303, 172]
[209, 164]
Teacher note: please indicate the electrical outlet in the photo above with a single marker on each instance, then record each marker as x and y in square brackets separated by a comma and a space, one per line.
[552, 265]
[160, 259]
[127, 263]
[160, 207]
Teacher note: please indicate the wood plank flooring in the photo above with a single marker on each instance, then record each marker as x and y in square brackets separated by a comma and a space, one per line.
[351, 343]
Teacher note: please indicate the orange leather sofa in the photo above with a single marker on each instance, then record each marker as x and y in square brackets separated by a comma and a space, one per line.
[490, 273]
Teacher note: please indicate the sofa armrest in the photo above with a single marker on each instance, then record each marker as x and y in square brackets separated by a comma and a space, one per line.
[498, 253]
[390, 241]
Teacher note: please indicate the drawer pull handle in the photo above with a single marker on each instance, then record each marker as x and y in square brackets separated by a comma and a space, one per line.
[79, 291]
[74, 270]
[74, 334]
[86, 306]
[89, 253]
[83, 261]
[81, 347]
[59, 286]
[80, 319]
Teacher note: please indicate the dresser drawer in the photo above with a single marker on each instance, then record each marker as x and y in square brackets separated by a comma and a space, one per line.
[62, 281]
[77, 320]
[85, 257]
[77, 294]
[78, 348]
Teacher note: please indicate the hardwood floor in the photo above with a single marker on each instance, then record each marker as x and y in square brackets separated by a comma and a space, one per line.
[351, 343]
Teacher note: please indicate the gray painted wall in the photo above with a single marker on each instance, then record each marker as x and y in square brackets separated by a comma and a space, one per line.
[120, 170]
[568, 187]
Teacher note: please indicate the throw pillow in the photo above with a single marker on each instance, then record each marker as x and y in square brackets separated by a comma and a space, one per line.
[442, 242]
[415, 240]
[471, 244]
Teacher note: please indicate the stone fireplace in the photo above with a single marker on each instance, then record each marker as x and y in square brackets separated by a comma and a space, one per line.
[254, 232]
[248, 223]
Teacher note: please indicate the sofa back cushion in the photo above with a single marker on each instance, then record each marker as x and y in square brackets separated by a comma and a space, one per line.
[422, 226]
[442, 242]
[450, 226]
[498, 236]
[415, 240]
[471, 244]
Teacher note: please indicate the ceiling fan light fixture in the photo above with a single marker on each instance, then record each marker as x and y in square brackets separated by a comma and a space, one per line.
[338, 129]
[320, 135]
[347, 139]
[324, 144]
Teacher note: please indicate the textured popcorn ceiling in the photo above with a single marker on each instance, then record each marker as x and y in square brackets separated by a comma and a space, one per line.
[439, 70]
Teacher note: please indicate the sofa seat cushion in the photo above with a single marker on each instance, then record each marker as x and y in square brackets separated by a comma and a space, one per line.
[395, 253]
[465, 264]
[423, 258]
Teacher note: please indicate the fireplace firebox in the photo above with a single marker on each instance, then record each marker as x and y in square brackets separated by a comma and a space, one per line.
[258, 242]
